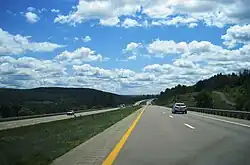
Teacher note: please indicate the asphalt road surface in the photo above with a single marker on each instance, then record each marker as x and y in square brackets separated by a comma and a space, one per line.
[163, 138]
[25, 122]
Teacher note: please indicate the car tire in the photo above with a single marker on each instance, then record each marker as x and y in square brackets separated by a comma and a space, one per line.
[185, 112]
[173, 112]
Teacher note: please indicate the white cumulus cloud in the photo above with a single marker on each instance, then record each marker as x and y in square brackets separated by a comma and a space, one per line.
[184, 63]
[132, 46]
[130, 23]
[55, 10]
[31, 17]
[237, 35]
[86, 39]
[109, 21]
[212, 13]
[133, 57]
[195, 61]
[105, 11]
[79, 56]
[31, 9]
[176, 21]
[17, 44]
[88, 70]
[28, 72]
[166, 47]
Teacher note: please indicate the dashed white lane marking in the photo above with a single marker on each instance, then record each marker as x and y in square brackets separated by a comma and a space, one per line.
[226, 121]
[163, 112]
[189, 126]
[171, 116]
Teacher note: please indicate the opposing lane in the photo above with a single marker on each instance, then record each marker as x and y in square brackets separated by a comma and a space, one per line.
[163, 138]
[32, 121]
[25, 122]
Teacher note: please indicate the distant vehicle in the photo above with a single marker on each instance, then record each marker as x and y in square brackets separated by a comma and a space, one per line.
[179, 108]
[70, 113]
[122, 106]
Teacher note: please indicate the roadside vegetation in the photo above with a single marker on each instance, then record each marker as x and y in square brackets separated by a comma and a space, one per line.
[235, 87]
[26, 102]
[40, 144]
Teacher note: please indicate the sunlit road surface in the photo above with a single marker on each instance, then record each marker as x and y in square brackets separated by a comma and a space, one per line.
[161, 137]
[25, 122]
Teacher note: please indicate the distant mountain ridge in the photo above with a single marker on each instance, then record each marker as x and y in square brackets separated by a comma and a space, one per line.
[18, 102]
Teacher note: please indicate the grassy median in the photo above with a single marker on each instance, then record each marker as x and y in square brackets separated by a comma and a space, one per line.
[40, 144]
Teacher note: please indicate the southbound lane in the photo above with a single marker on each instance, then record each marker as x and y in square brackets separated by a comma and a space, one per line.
[163, 138]
[25, 122]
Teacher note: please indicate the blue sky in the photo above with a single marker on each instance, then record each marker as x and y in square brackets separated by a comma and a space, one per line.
[121, 46]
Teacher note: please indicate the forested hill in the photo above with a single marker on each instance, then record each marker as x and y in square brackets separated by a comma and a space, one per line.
[235, 85]
[19, 102]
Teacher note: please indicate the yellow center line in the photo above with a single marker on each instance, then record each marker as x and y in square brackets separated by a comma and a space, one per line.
[113, 154]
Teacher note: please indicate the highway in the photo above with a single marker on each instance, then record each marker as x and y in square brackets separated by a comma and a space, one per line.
[32, 121]
[155, 136]
[161, 137]
[175, 139]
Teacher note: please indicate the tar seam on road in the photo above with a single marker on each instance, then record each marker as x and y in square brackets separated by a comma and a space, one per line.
[226, 121]
[113, 154]
[189, 126]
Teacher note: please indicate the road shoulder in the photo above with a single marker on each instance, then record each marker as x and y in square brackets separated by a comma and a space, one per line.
[96, 149]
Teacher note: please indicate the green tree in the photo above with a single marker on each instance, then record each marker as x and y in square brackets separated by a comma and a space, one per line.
[243, 102]
[204, 100]
[15, 109]
[247, 105]
[6, 111]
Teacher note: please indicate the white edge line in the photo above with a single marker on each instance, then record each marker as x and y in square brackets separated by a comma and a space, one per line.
[226, 121]
[189, 126]
[171, 116]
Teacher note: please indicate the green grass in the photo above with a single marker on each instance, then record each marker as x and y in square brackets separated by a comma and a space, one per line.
[221, 104]
[40, 144]
[233, 93]
[228, 96]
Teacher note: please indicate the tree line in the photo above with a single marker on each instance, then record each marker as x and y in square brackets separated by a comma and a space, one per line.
[236, 84]
[23, 102]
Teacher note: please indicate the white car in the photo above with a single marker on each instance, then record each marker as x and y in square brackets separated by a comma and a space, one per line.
[122, 106]
[179, 108]
[70, 113]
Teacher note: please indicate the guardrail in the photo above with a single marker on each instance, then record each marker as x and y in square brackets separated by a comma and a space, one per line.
[229, 113]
